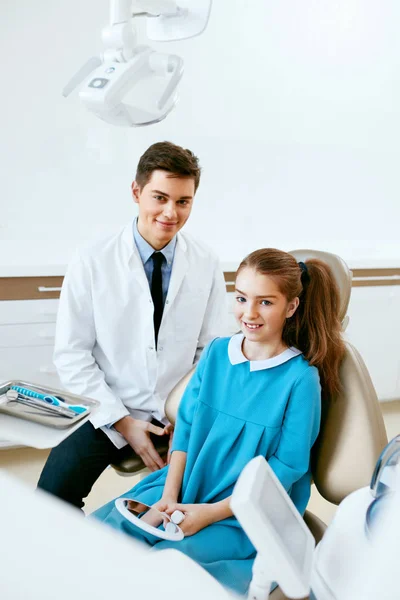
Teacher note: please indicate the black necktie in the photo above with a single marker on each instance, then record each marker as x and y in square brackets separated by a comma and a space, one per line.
[157, 292]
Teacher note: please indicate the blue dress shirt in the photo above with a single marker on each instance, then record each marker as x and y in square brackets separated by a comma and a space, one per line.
[145, 252]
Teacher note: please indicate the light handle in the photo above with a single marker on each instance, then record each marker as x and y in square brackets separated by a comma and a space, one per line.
[165, 64]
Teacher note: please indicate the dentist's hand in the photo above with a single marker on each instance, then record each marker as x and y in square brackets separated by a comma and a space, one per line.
[137, 434]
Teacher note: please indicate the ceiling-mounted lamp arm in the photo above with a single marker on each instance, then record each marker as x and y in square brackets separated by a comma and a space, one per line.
[155, 8]
[120, 11]
[119, 37]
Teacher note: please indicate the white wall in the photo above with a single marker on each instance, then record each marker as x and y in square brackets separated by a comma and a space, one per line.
[292, 106]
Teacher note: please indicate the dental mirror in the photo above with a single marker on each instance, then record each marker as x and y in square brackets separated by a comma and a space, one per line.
[151, 520]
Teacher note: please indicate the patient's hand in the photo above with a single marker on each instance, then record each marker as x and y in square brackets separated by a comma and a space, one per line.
[137, 434]
[197, 516]
[162, 506]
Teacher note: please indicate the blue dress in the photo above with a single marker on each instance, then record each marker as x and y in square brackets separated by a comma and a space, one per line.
[233, 410]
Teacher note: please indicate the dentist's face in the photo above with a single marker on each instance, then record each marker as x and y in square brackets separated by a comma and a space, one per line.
[165, 204]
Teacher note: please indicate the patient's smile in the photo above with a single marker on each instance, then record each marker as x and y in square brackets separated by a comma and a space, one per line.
[252, 325]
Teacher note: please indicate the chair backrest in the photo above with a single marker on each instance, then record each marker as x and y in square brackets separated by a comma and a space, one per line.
[352, 433]
[174, 397]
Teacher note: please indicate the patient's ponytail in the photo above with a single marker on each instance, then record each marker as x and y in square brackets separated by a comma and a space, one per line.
[315, 328]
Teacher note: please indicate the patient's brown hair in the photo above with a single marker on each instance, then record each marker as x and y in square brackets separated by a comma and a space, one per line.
[315, 328]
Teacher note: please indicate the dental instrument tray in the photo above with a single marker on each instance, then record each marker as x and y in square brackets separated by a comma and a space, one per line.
[44, 405]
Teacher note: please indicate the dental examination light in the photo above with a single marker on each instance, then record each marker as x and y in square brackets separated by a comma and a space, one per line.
[133, 85]
[283, 542]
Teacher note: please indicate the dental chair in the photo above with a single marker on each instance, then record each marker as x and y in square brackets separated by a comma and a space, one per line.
[352, 432]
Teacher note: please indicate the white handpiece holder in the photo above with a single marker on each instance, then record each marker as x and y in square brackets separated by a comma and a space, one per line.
[283, 542]
[171, 66]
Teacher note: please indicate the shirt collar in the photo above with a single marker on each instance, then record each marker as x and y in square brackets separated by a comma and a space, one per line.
[145, 250]
[236, 355]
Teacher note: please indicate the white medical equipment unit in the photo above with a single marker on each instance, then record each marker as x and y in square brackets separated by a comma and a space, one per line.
[49, 551]
[358, 556]
[130, 84]
[283, 542]
[92, 560]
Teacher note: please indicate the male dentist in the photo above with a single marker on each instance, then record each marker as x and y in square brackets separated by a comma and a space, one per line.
[135, 312]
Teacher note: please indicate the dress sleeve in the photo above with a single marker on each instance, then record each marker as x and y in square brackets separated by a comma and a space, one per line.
[188, 404]
[300, 428]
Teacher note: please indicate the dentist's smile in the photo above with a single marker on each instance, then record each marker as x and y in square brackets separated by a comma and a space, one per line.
[167, 224]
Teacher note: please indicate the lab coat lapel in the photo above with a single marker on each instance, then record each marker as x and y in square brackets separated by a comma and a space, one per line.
[138, 273]
[133, 259]
[179, 269]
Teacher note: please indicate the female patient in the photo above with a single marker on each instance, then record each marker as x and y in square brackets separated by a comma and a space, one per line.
[257, 392]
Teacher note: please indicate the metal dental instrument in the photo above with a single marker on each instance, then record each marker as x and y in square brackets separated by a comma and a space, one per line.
[39, 406]
[39, 410]
[14, 396]
[43, 414]
[48, 399]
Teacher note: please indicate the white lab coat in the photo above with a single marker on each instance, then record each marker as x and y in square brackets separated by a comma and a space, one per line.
[104, 346]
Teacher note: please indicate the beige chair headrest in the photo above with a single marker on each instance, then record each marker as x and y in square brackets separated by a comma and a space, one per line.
[340, 271]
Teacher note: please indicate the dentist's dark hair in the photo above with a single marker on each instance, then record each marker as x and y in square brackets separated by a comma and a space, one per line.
[314, 328]
[166, 156]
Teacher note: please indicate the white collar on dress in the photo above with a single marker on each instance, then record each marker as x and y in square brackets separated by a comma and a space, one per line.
[236, 355]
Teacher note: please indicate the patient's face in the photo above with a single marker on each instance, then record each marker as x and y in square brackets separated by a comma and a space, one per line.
[260, 307]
